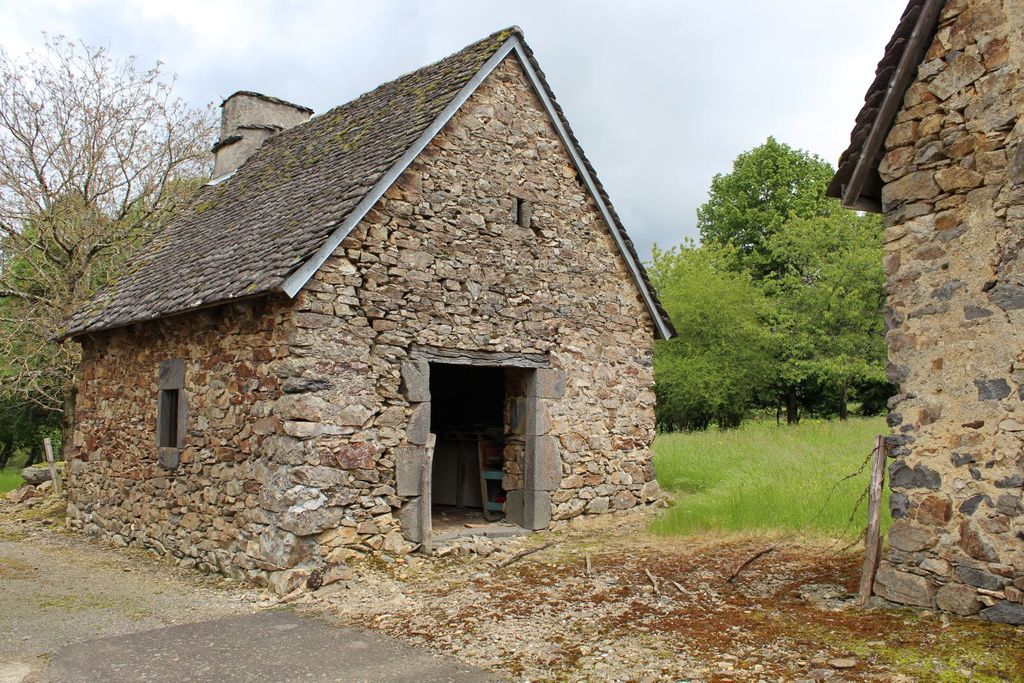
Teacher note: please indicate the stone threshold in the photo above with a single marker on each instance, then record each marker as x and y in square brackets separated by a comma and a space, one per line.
[493, 530]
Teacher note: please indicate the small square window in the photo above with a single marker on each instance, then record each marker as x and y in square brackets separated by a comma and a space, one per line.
[523, 213]
[171, 412]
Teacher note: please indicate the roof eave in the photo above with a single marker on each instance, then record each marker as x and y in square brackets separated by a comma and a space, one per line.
[851, 193]
[200, 308]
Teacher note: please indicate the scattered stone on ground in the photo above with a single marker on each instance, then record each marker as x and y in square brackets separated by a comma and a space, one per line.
[22, 494]
[31, 492]
[40, 472]
[844, 663]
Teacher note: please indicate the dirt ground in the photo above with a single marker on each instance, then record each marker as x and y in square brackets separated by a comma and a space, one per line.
[662, 609]
[647, 609]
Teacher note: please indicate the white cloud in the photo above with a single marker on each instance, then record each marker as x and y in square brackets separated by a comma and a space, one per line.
[662, 95]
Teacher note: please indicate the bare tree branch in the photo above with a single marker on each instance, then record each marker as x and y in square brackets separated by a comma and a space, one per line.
[95, 154]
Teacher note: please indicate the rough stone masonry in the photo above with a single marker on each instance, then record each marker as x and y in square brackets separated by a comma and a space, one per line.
[953, 198]
[301, 413]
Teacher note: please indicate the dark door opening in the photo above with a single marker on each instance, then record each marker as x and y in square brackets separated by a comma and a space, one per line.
[468, 417]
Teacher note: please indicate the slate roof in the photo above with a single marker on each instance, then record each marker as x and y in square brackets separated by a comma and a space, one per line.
[244, 236]
[894, 74]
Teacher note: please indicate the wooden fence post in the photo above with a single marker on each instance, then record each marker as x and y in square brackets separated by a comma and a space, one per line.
[48, 447]
[873, 537]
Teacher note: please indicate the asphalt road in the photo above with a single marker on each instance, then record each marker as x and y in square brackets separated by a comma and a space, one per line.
[71, 610]
[274, 645]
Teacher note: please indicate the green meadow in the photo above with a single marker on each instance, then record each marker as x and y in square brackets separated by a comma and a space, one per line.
[765, 477]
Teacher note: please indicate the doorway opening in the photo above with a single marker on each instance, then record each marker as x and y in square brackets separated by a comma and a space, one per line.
[468, 417]
[480, 459]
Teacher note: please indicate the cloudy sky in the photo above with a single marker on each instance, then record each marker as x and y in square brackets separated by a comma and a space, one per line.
[662, 95]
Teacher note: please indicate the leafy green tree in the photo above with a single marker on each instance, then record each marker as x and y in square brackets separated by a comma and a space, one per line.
[819, 267]
[829, 297]
[767, 186]
[23, 427]
[720, 362]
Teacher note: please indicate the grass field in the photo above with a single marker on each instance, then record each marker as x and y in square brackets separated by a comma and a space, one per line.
[764, 477]
[10, 479]
[10, 476]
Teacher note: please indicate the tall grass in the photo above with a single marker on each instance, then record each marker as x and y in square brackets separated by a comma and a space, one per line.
[764, 477]
[10, 475]
[10, 479]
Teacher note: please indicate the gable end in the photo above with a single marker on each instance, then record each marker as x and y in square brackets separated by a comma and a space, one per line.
[513, 45]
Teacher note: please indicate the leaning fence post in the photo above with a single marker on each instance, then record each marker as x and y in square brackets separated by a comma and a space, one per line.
[873, 537]
[53, 468]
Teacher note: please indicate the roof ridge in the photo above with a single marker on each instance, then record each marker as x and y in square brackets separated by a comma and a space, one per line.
[274, 221]
[499, 37]
[503, 35]
[266, 98]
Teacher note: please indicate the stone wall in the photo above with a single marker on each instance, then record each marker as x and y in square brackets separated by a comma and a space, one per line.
[207, 510]
[299, 420]
[442, 262]
[954, 208]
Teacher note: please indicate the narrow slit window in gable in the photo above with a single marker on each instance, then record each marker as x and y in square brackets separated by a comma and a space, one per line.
[523, 213]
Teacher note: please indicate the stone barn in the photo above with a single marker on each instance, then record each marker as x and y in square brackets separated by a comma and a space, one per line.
[938, 150]
[418, 305]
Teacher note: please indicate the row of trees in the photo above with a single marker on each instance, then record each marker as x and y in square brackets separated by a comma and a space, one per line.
[780, 305]
[95, 154]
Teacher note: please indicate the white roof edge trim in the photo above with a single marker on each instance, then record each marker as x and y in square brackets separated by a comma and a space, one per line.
[221, 178]
[297, 280]
[300, 277]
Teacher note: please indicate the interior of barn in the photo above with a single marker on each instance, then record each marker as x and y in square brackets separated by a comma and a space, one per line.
[468, 416]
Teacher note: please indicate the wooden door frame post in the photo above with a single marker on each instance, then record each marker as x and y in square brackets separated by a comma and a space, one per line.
[426, 496]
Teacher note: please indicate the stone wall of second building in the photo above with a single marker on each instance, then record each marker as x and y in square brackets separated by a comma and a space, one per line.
[954, 206]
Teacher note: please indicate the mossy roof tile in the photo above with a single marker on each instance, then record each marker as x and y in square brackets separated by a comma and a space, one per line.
[245, 235]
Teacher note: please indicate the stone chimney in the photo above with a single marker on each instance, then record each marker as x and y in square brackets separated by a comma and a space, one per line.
[247, 120]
